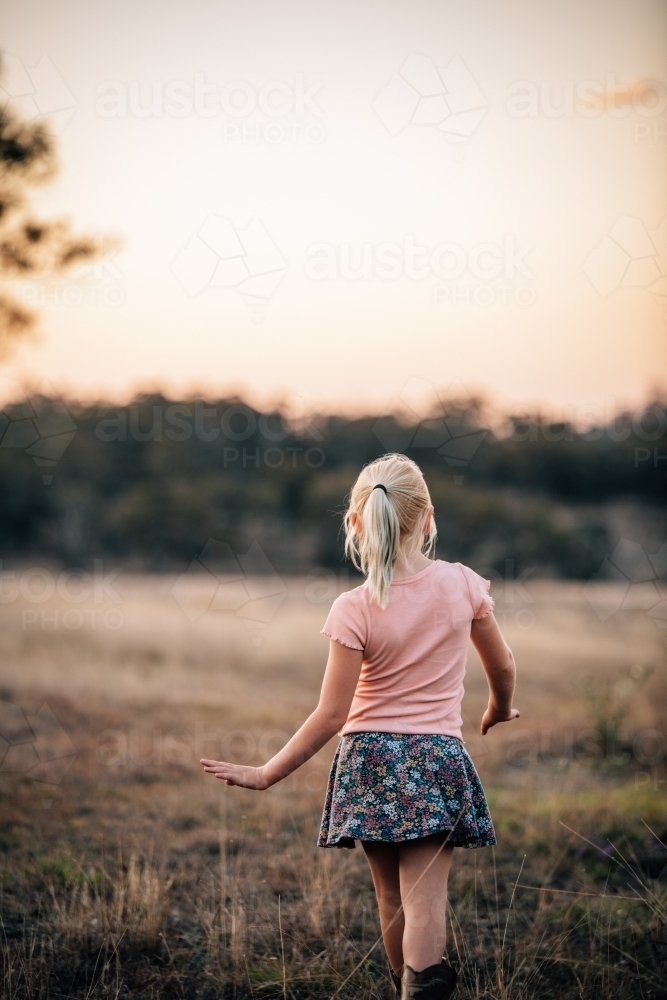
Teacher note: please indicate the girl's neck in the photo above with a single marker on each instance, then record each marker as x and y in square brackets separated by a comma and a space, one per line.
[409, 566]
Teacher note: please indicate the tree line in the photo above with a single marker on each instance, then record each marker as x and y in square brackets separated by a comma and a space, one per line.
[149, 483]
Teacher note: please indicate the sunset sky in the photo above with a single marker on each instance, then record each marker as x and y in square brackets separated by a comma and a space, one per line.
[437, 190]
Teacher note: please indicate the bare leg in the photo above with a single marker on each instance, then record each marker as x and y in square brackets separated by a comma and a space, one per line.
[424, 896]
[383, 859]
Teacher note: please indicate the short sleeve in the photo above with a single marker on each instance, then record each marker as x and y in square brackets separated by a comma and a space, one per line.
[478, 588]
[346, 622]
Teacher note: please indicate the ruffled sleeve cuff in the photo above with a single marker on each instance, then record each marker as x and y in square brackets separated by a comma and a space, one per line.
[343, 642]
[487, 604]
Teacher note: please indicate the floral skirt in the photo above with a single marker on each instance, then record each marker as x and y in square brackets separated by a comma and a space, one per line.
[398, 786]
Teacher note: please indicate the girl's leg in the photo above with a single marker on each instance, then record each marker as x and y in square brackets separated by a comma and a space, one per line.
[424, 896]
[383, 859]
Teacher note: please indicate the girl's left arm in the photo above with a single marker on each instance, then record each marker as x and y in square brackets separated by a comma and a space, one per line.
[338, 687]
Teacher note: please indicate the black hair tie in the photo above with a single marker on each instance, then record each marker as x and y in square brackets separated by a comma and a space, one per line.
[379, 486]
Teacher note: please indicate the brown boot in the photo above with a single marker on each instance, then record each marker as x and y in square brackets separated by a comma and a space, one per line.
[437, 982]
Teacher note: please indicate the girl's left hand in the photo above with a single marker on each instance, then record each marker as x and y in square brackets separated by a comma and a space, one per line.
[493, 716]
[236, 774]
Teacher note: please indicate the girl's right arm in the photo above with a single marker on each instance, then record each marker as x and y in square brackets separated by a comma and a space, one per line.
[498, 663]
[338, 687]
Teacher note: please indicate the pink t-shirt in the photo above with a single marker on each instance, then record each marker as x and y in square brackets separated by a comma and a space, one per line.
[415, 650]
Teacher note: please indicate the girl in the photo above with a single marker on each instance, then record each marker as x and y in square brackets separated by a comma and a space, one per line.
[401, 781]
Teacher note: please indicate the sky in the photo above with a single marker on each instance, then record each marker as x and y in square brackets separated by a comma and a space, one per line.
[321, 202]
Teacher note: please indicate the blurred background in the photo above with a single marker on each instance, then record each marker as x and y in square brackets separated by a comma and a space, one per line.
[245, 249]
[257, 248]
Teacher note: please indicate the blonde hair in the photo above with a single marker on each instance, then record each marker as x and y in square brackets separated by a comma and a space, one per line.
[392, 519]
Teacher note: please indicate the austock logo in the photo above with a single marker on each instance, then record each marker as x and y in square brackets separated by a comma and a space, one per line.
[273, 111]
[421, 420]
[246, 585]
[35, 746]
[36, 93]
[37, 423]
[639, 575]
[421, 93]
[630, 256]
[221, 256]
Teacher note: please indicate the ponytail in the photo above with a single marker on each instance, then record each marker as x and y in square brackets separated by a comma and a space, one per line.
[378, 545]
[390, 500]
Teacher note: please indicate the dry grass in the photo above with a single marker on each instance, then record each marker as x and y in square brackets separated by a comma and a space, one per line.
[135, 875]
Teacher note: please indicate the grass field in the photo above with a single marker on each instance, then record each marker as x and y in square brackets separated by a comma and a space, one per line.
[127, 872]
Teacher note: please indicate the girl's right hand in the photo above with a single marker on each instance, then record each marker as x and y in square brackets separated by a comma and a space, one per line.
[493, 716]
[236, 774]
